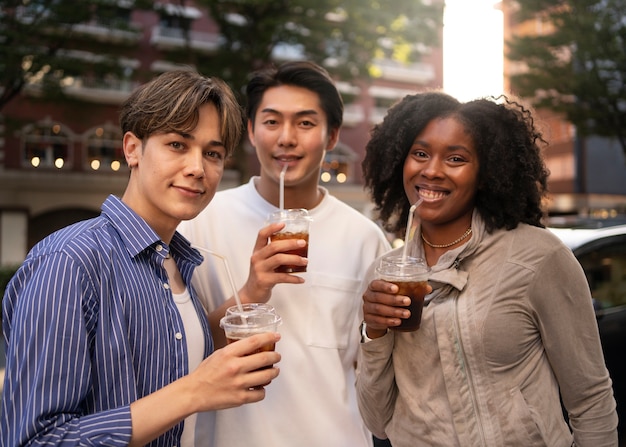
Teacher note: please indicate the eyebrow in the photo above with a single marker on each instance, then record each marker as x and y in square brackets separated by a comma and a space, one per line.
[454, 147]
[298, 113]
[188, 136]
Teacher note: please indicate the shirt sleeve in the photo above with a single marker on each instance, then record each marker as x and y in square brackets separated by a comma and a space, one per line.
[49, 372]
[569, 331]
[376, 386]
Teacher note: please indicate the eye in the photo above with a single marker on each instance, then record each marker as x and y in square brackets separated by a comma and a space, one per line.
[457, 159]
[215, 154]
[177, 145]
[307, 123]
[419, 153]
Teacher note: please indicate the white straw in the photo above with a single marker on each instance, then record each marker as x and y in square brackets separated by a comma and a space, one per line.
[409, 224]
[281, 200]
[230, 276]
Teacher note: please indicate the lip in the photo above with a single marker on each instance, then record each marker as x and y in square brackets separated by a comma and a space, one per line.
[189, 191]
[287, 160]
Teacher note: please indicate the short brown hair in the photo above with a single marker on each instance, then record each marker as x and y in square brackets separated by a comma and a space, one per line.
[170, 103]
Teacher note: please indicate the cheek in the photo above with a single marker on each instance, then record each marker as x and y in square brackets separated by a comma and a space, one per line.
[409, 170]
[408, 173]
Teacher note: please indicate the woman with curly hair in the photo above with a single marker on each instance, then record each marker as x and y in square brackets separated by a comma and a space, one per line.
[509, 326]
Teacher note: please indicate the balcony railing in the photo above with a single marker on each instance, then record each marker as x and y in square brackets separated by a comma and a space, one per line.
[418, 73]
[174, 38]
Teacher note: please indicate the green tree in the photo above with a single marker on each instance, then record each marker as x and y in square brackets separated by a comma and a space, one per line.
[577, 65]
[43, 42]
[346, 36]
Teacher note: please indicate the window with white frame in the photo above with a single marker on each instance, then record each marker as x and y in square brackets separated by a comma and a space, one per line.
[103, 146]
[47, 144]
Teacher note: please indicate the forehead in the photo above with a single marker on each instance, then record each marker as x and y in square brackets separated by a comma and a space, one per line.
[289, 99]
[448, 131]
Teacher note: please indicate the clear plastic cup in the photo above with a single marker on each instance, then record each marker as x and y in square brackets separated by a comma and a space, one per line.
[241, 325]
[250, 308]
[297, 223]
[410, 274]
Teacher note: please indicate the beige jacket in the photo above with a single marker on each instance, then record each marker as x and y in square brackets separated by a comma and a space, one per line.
[503, 331]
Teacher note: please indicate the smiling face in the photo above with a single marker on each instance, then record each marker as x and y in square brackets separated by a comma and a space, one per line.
[174, 176]
[290, 129]
[442, 169]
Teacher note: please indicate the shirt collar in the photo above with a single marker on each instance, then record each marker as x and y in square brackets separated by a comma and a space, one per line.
[137, 235]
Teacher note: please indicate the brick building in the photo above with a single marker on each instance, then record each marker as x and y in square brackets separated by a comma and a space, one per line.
[59, 161]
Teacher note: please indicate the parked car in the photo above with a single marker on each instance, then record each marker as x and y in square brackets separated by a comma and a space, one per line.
[602, 254]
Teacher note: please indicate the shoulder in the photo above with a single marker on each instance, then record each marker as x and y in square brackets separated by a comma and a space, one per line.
[78, 239]
[541, 238]
[534, 247]
[81, 251]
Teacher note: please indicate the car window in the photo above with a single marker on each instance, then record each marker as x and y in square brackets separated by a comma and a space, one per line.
[605, 267]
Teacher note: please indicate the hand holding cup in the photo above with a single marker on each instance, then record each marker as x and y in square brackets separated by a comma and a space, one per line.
[296, 227]
[410, 276]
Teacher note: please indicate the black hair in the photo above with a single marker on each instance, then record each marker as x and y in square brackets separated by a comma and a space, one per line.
[303, 74]
[512, 176]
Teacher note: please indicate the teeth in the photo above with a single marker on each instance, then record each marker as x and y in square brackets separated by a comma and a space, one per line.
[431, 195]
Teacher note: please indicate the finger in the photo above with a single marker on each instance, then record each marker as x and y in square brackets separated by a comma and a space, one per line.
[261, 360]
[286, 245]
[385, 298]
[250, 345]
[384, 311]
[286, 259]
[261, 378]
[253, 394]
[265, 233]
[379, 322]
[379, 285]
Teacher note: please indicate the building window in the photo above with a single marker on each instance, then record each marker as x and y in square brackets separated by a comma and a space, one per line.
[113, 15]
[46, 144]
[336, 165]
[104, 149]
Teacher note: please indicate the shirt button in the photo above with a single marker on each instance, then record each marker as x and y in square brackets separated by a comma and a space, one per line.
[179, 336]
[166, 286]
[159, 247]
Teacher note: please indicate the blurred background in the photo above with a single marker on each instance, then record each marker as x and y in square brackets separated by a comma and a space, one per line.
[66, 66]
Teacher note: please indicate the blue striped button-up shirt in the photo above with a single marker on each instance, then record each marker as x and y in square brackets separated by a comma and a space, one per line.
[91, 326]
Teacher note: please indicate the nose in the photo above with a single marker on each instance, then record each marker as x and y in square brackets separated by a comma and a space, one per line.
[432, 168]
[194, 164]
[287, 137]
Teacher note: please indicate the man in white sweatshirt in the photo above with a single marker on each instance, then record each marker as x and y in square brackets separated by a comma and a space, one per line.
[294, 117]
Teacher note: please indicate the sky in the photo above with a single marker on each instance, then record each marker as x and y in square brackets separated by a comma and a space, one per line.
[472, 48]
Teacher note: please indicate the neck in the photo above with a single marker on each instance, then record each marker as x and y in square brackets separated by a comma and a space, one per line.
[466, 234]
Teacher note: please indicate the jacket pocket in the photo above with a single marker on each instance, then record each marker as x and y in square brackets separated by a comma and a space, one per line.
[527, 425]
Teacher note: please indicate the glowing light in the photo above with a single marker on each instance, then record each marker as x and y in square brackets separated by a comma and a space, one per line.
[59, 162]
[95, 164]
[473, 49]
[325, 177]
[115, 165]
[35, 161]
[341, 178]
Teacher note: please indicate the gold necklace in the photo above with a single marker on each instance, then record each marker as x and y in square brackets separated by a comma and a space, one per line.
[464, 236]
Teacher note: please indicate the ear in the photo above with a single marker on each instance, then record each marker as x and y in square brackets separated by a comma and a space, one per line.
[251, 133]
[333, 138]
[132, 149]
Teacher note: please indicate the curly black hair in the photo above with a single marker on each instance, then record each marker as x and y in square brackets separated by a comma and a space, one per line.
[512, 176]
